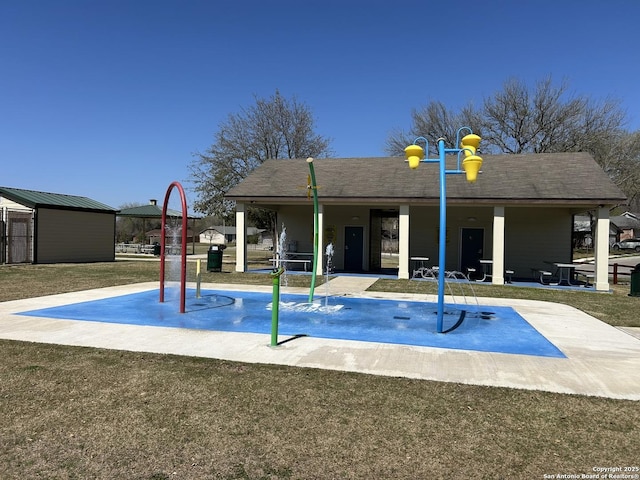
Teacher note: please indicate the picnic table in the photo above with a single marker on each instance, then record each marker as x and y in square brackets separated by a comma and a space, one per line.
[566, 272]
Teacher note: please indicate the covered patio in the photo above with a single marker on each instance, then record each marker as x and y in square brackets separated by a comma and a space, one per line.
[517, 217]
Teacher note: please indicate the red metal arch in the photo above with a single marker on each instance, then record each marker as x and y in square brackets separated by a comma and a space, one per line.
[183, 252]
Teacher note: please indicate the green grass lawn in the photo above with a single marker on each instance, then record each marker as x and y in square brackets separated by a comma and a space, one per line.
[76, 413]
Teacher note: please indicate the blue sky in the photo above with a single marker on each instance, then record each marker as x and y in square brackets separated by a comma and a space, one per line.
[110, 98]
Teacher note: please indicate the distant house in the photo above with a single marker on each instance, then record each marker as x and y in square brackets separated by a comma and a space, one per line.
[175, 236]
[42, 227]
[628, 226]
[583, 226]
[518, 215]
[222, 234]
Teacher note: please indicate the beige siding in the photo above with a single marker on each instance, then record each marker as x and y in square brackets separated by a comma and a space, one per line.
[535, 236]
[11, 205]
[424, 232]
[298, 221]
[73, 236]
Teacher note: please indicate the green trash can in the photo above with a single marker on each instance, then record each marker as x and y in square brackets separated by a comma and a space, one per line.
[635, 282]
[214, 258]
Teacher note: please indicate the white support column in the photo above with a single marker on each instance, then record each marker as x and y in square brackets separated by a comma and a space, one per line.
[602, 250]
[320, 238]
[403, 242]
[498, 246]
[241, 238]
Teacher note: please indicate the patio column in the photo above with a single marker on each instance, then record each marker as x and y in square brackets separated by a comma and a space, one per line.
[321, 248]
[498, 245]
[602, 250]
[241, 238]
[403, 242]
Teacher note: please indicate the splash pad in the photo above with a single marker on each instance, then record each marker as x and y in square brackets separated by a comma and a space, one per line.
[361, 319]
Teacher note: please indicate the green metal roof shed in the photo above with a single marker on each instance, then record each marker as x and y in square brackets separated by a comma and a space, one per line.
[44, 227]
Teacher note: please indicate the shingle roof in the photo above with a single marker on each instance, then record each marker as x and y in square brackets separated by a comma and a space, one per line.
[622, 221]
[562, 178]
[35, 199]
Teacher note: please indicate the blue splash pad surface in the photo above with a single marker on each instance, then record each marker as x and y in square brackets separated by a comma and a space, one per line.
[483, 328]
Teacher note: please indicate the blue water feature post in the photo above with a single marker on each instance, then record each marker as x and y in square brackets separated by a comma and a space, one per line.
[470, 167]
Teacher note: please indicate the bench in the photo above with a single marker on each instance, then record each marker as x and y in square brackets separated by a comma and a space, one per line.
[277, 261]
[544, 275]
[508, 276]
[588, 277]
[508, 273]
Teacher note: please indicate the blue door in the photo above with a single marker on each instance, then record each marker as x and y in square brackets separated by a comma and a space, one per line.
[353, 248]
[471, 249]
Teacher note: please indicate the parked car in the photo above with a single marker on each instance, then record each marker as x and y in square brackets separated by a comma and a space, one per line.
[628, 244]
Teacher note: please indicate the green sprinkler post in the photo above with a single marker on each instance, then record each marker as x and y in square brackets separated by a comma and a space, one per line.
[314, 189]
[275, 304]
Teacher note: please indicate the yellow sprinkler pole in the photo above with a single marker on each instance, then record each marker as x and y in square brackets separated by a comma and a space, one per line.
[198, 278]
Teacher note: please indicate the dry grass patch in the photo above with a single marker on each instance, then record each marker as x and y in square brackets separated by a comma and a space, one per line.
[26, 281]
[71, 412]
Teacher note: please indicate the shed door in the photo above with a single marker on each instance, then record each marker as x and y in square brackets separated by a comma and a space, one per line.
[3, 247]
[19, 239]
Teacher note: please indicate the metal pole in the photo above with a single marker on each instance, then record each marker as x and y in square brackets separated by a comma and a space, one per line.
[275, 305]
[443, 237]
[312, 173]
[198, 278]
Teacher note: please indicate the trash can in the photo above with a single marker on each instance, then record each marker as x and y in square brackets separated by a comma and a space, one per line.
[156, 249]
[635, 282]
[214, 258]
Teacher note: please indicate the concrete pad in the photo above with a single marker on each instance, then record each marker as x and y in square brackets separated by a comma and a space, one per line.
[601, 360]
[346, 284]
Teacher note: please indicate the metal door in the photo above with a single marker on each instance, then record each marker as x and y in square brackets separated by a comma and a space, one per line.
[353, 248]
[471, 249]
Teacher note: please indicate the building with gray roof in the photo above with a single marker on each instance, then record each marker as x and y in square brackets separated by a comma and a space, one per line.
[518, 214]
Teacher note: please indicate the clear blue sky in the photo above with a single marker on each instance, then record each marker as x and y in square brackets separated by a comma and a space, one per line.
[110, 98]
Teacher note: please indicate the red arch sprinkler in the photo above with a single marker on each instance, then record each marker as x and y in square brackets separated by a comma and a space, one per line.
[183, 250]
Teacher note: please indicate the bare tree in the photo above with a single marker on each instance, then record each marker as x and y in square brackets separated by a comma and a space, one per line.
[619, 156]
[519, 119]
[432, 122]
[130, 229]
[272, 128]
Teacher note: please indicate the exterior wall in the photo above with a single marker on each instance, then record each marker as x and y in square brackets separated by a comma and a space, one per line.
[337, 218]
[10, 205]
[424, 232]
[536, 235]
[532, 235]
[298, 221]
[74, 236]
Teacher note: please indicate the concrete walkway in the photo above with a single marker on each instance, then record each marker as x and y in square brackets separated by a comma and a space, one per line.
[601, 360]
